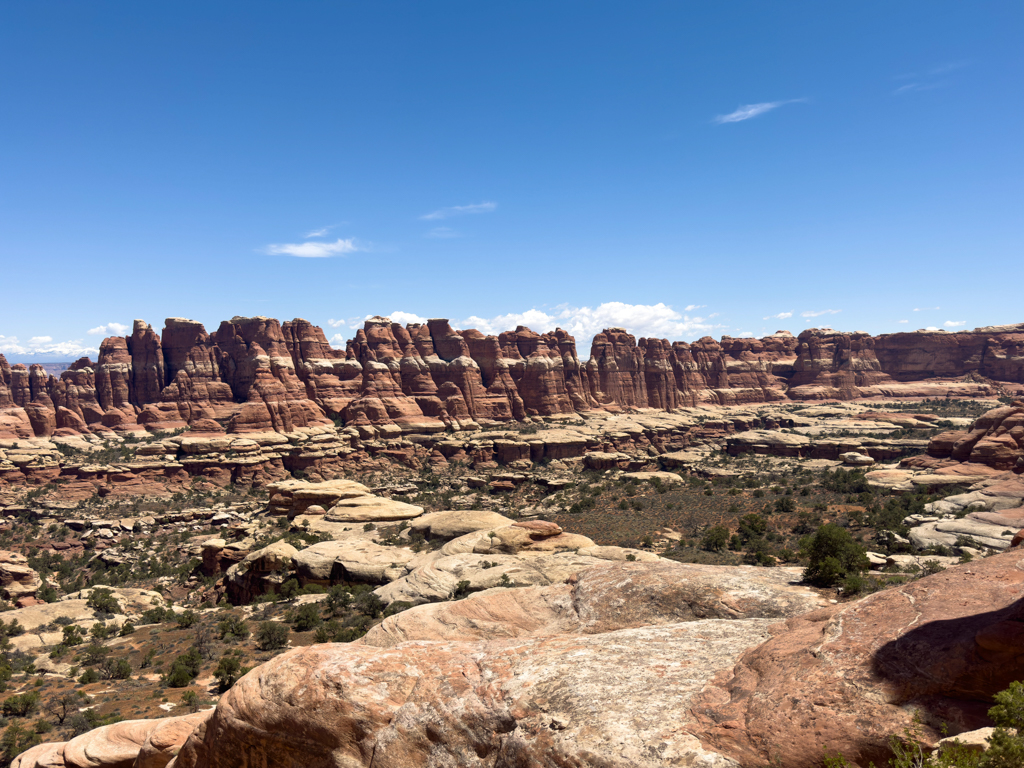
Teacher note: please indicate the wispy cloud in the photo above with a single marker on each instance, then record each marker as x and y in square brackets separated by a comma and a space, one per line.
[110, 329]
[780, 316]
[692, 307]
[821, 312]
[954, 323]
[335, 323]
[752, 110]
[902, 321]
[929, 79]
[459, 210]
[318, 232]
[917, 87]
[927, 309]
[443, 233]
[314, 250]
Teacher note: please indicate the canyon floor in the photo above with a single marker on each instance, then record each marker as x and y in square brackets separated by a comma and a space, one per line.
[143, 582]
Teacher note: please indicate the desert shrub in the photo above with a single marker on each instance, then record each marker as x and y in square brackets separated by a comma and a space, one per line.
[184, 669]
[232, 628]
[752, 526]
[832, 555]
[103, 601]
[157, 615]
[271, 635]
[228, 670]
[307, 617]
[715, 539]
[186, 619]
[21, 705]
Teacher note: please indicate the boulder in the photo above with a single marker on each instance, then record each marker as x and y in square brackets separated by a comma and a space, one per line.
[668, 478]
[17, 579]
[363, 509]
[333, 562]
[49, 755]
[259, 572]
[454, 523]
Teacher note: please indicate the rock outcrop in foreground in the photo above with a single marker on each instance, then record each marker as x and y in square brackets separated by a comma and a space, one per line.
[255, 375]
[628, 664]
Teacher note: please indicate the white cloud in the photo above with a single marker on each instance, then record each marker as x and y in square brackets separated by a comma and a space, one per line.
[954, 323]
[650, 320]
[314, 250]
[820, 313]
[902, 321]
[459, 210]
[752, 110]
[780, 316]
[927, 309]
[337, 340]
[335, 323]
[691, 307]
[45, 345]
[714, 314]
[110, 329]
[443, 233]
[746, 335]
[931, 328]
[318, 232]
[403, 318]
[406, 317]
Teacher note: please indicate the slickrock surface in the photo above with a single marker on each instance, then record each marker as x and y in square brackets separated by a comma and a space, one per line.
[604, 598]
[628, 664]
[855, 674]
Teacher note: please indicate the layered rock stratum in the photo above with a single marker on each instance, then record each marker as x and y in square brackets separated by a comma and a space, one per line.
[256, 375]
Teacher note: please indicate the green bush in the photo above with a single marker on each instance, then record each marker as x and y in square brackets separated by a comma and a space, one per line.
[232, 628]
[186, 619]
[229, 669]
[307, 617]
[832, 555]
[103, 601]
[184, 669]
[72, 635]
[21, 705]
[271, 635]
[715, 539]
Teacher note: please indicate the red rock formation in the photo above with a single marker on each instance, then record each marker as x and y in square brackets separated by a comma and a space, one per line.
[617, 377]
[996, 353]
[996, 439]
[148, 370]
[254, 374]
[834, 366]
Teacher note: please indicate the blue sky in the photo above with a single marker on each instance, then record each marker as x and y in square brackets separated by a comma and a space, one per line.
[683, 169]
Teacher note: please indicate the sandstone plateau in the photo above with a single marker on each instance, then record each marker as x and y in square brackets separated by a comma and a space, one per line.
[256, 375]
[740, 667]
